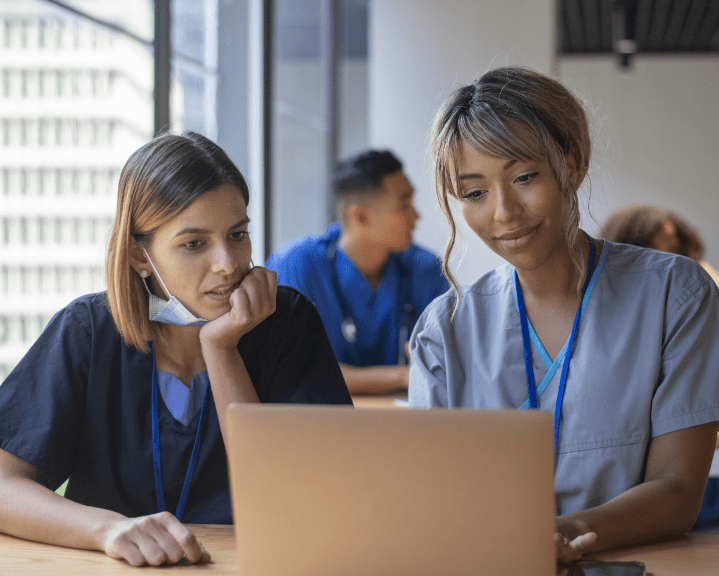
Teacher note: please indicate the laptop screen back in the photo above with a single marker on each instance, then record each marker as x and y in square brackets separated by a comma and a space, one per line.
[332, 490]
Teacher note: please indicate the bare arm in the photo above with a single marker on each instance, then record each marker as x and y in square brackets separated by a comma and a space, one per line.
[29, 510]
[664, 506]
[375, 379]
[253, 301]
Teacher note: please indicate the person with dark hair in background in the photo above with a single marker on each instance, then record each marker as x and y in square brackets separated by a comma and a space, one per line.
[661, 229]
[125, 392]
[619, 343]
[367, 279]
[658, 228]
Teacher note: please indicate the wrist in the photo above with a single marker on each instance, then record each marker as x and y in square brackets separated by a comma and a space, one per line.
[401, 379]
[218, 351]
[217, 346]
[102, 527]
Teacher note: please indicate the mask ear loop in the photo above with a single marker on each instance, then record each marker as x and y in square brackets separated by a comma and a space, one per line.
[144, 281]
[158, 276]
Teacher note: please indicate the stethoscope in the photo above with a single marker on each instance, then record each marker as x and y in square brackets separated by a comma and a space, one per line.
[348, 327]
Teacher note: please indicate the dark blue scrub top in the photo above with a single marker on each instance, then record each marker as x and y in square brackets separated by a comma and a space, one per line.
[305, 264]
[77, 406]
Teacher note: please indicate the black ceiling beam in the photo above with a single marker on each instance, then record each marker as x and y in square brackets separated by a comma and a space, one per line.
[677, 16]
[641, 26]
[709, 26]
[591, 29]
[691, 25]
[606, 15]
[575, 26]
[658, 26]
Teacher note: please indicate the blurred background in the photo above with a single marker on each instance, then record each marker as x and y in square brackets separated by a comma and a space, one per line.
[289, 87]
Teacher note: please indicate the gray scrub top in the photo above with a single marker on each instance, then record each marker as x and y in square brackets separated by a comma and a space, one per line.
[645, 362]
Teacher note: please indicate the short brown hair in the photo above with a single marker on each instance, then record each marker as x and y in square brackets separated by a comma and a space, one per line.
[160, 180]
[519, 114]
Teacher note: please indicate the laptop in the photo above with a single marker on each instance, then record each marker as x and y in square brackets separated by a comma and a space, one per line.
[328, 490]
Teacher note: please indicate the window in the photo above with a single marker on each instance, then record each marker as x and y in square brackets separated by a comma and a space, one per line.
[194, 66]
[319, 107]
[89, 113]
[75, 103]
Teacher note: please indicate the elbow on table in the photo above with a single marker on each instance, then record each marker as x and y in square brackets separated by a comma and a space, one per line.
[683, 515]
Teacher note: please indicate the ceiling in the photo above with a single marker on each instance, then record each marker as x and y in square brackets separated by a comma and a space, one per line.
[650, 26]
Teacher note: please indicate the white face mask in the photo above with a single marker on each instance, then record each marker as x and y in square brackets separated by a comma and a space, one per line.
[169, 311]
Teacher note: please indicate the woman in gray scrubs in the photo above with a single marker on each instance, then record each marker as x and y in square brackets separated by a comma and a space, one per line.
[620, 343]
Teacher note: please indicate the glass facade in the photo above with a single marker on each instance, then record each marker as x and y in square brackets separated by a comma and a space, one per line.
[77, 98]
[194, 66]
[75, 101]
[319, 108]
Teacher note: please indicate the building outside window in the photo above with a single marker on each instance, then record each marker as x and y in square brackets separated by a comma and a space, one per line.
[75, 100]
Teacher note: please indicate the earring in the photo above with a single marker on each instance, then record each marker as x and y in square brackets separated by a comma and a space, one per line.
[144, 273]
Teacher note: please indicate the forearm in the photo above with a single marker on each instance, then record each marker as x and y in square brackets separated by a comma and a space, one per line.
[375, 379]
[654, 510]
[29, 510]
[229, 379]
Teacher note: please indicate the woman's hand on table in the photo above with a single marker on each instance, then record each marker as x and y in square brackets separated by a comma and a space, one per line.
[157, 539]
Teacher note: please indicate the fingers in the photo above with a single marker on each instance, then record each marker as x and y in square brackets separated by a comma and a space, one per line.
[250, 303]
[583, 542]
[260, 286]
[571, 551]
[191, 547]
[255, 298]
[155, 540]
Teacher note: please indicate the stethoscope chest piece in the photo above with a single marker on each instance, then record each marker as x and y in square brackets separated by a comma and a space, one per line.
[349, 330]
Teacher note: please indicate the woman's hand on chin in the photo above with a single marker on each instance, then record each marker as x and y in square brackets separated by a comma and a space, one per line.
[251, 302]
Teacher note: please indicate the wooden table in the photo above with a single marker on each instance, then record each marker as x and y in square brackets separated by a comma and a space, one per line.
[20, 557]
[697, 555]
[391, 400]
[694, 554]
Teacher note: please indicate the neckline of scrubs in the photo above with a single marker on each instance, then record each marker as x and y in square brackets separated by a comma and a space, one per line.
[373, 308]
[553, 366]
[533, 393]
[182, 401]
[157, 462]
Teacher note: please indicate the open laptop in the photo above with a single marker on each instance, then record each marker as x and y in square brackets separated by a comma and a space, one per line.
[326, 490]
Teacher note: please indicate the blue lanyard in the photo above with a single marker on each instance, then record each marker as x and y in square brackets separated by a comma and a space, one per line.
[156, 448]
[527, 346]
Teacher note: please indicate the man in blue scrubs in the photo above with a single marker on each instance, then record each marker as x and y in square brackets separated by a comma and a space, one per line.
[367, 279]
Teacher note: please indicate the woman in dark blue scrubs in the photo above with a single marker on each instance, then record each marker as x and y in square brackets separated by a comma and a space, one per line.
[125, 391]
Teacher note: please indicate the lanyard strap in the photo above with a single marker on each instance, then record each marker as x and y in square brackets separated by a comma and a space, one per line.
[159, 490]
[527, 346]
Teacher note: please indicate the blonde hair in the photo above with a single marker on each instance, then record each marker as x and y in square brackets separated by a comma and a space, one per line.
[158, 181]
[519, 114]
